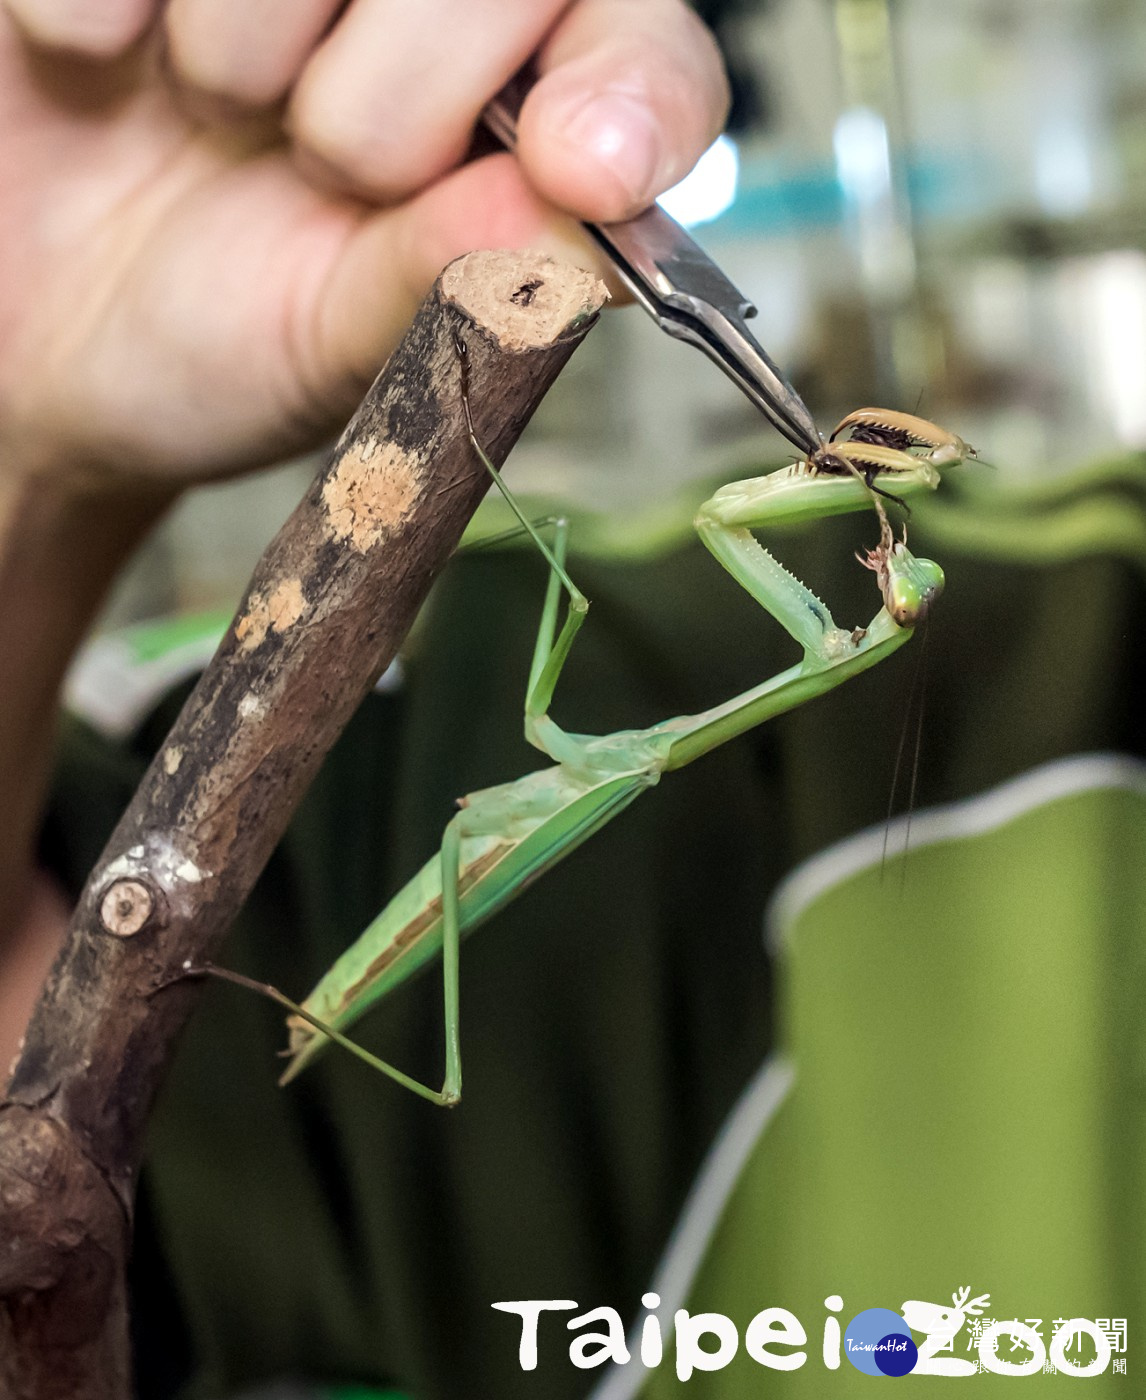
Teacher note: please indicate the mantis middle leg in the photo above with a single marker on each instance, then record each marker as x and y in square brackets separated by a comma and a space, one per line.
[548, 658]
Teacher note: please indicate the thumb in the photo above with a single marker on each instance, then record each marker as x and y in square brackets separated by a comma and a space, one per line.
[391, 260]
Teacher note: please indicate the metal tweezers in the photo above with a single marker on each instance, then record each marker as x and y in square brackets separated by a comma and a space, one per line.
[684, 291]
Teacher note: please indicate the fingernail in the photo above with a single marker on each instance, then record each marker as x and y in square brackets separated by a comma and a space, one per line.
[619, 132]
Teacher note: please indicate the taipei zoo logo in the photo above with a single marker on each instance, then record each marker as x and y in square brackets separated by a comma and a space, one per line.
[880, 1342]
[922, 1339]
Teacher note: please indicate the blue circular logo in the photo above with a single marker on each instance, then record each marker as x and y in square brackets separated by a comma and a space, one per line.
[896, 1354]
[878, 1343]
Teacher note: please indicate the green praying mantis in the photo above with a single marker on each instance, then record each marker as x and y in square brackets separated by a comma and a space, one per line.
[503, 837]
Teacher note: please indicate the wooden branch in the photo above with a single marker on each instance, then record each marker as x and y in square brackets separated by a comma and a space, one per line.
[328, 605]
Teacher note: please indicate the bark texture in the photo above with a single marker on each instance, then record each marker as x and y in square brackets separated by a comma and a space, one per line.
[329, 603]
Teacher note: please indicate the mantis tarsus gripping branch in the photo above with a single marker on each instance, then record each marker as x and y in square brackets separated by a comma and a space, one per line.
[505, 836]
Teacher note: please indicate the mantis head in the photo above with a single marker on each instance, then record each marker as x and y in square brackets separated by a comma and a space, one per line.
[909, 585]
[912, 449]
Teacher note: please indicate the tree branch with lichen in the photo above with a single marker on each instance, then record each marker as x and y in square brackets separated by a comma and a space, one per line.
[325, 612]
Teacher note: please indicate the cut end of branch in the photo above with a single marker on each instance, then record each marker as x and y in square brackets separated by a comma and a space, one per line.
[526, 300]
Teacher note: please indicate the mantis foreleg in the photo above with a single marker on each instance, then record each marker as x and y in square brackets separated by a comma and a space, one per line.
[725, 523]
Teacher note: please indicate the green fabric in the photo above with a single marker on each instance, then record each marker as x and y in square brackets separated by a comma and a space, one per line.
[342, 1230]
[151, 640]
[967, 1106]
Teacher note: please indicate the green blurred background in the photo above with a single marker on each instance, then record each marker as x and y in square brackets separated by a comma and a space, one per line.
[936, 207]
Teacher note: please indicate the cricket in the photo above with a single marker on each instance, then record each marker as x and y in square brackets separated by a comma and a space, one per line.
[504, 837]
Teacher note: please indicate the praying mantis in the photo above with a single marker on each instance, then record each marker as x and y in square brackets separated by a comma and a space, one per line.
[504, 837]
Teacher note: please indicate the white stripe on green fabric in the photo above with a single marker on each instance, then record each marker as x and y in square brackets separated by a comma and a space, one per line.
[973, 816]
[117, 679]
[758, 1106]
[700, 1215]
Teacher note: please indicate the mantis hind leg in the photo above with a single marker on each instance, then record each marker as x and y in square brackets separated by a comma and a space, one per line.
[451, 860]
[446, 1096]
[451, 1091]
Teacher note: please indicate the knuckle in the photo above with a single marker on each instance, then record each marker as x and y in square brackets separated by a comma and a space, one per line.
[371, 158]
[337, 145]
[245, 90]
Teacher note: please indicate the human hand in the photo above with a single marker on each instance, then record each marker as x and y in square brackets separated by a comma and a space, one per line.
[216, 218]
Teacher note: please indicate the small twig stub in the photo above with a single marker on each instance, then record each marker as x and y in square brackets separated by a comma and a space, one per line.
[125, 907]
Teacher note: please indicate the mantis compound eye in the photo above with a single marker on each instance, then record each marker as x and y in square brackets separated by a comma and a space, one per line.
[910, 587]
